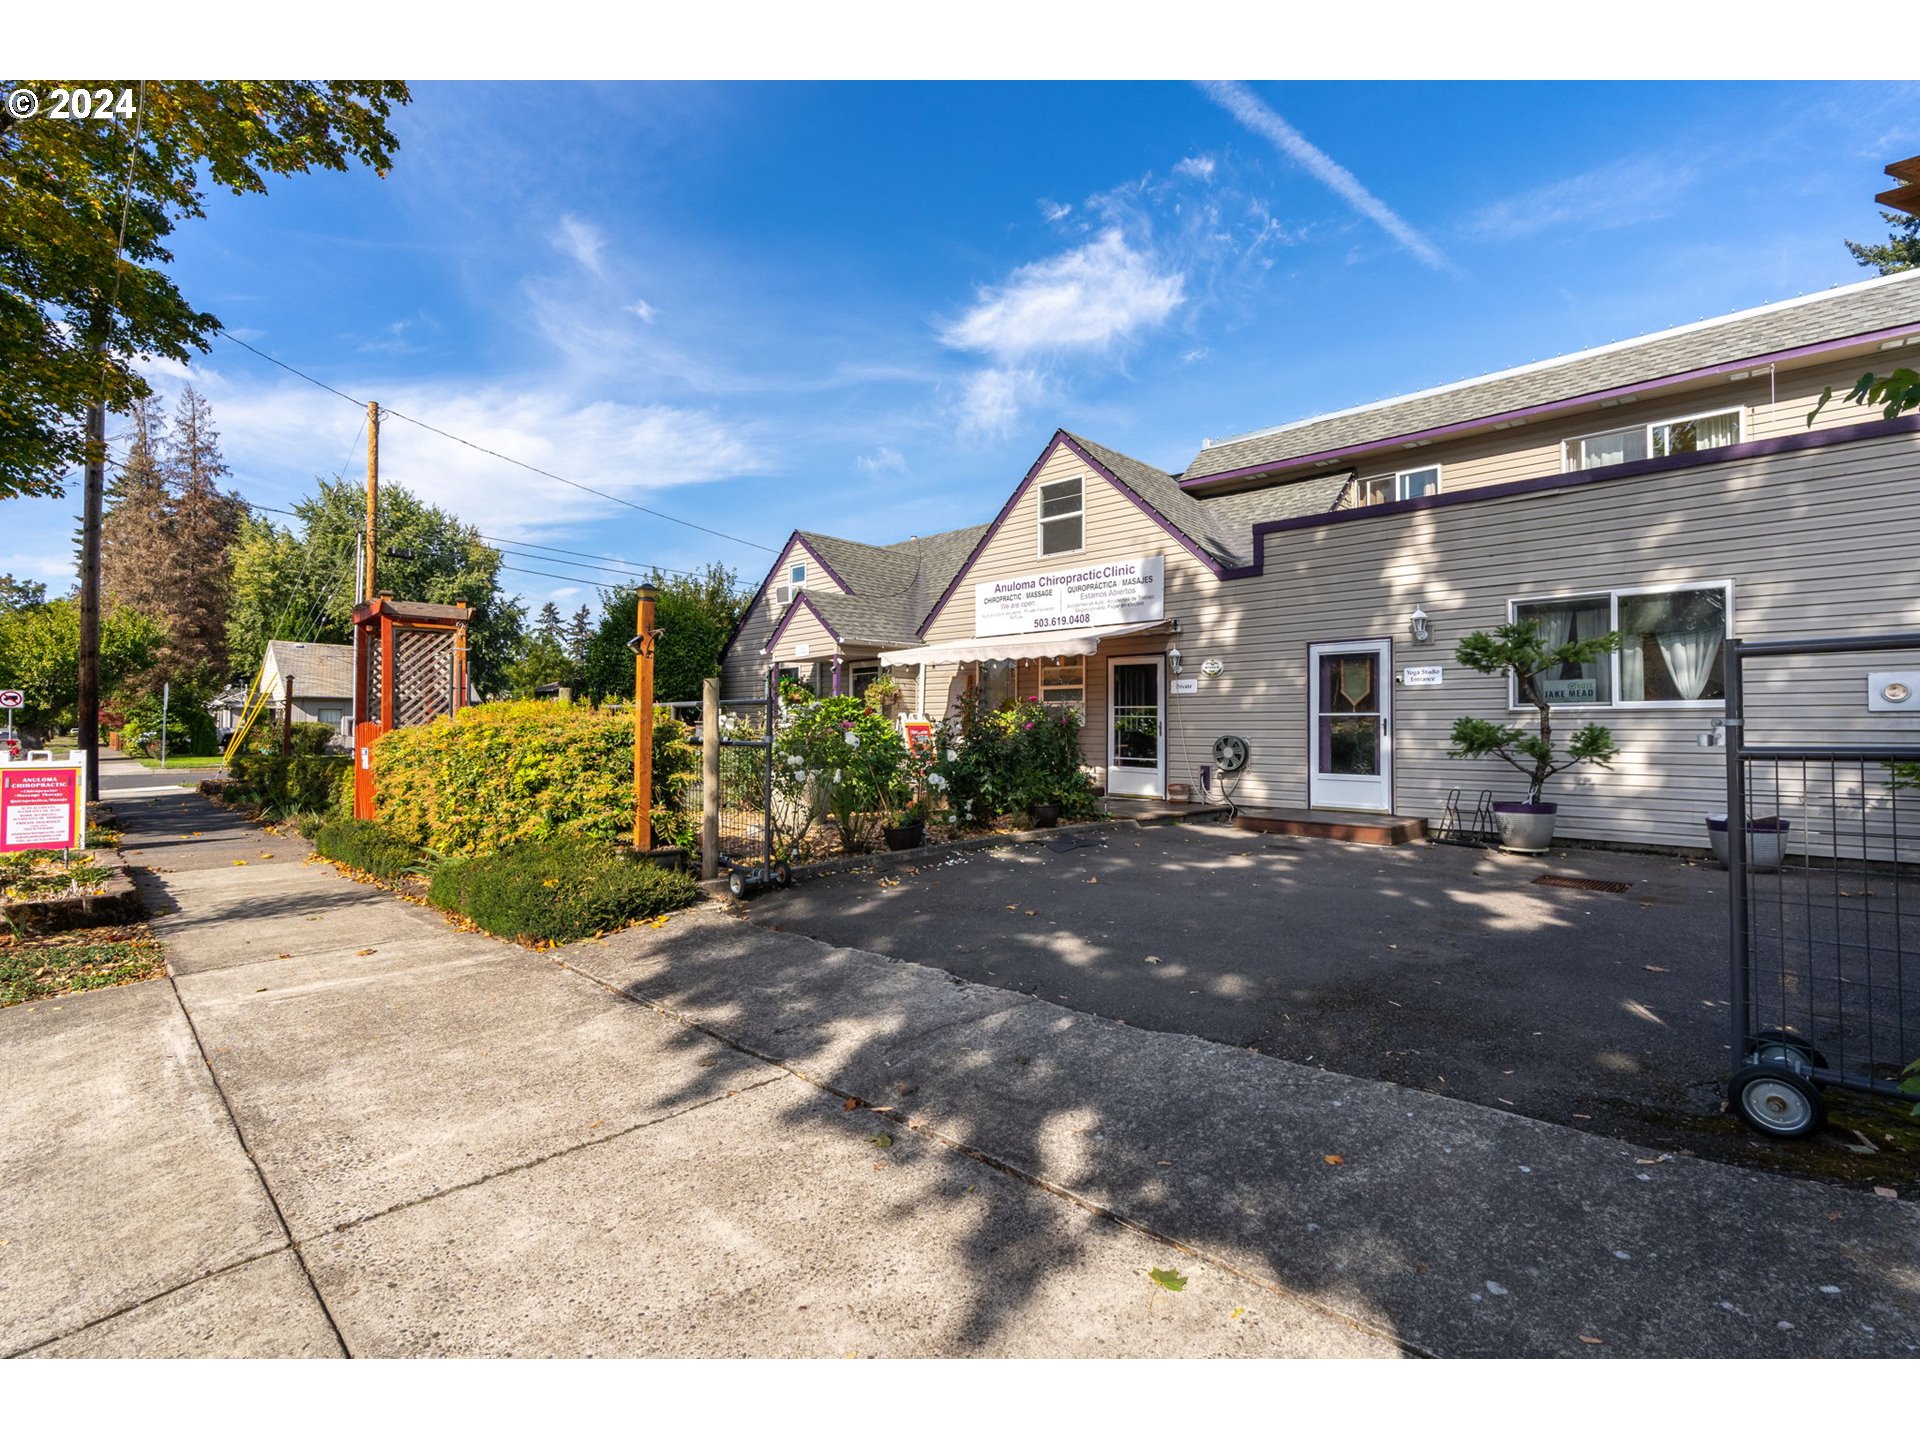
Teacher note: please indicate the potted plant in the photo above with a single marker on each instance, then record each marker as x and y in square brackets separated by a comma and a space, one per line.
[1515, 649]
[906, 827]
[882, 696]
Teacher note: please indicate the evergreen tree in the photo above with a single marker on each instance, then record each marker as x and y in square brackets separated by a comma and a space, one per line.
[1902, 250]
[134, 551]
[579, 635]
[548, 626]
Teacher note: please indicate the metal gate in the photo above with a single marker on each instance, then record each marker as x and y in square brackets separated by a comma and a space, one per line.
[1823, 863]
[746, 794]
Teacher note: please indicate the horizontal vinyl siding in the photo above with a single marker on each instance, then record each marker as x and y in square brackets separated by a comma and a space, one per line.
[743, 670]
[1814, 543]
[1771, 408]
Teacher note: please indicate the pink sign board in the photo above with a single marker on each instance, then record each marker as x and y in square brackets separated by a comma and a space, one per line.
[40, 807]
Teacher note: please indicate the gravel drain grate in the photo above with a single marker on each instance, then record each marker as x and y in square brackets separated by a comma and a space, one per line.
[1581, 882]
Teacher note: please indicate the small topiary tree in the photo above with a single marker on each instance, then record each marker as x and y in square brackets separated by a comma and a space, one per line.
[1515, 649]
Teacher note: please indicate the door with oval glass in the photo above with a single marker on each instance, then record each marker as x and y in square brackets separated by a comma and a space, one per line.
[1350, 707]
[1136, 738]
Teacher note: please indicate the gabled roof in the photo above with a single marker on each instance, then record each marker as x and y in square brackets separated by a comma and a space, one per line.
[890, 588]
[1864, 310]
[319, 671]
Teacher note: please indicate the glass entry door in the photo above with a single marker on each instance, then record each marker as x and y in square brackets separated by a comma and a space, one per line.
[1351, 764]
[1136, 734]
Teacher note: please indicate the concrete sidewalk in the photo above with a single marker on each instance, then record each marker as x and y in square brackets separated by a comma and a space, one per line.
[439, 1144]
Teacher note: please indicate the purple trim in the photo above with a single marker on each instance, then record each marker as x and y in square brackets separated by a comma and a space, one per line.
[773, 640]
[1521, 807]
[836, 672]
[1013, 501]
[1599, 475]
[1548, 407]
[793, 538]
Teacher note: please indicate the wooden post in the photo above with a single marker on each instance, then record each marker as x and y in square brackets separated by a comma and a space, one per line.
[91, 512]
[286, 719]
[373, 492]
[709, 778]
[643, 719]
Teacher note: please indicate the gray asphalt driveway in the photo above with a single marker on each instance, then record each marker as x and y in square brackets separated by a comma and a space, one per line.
[1444, 969]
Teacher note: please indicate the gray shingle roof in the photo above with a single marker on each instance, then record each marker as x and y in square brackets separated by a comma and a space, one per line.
[1223, 527]
[320, 672]
[892, 587]
[1853, 310]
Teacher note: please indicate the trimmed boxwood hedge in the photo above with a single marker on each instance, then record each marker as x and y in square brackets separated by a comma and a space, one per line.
[559, 889]
[368, 847]
[498, 774]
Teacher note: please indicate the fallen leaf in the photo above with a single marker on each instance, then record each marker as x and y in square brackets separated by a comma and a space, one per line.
[242, 862]
[370, 952]
[1886, 1192]
[1237, 1312]
[283, 955]
[884, 1142]
[852, 1102]
[1584, 1339]
[1335, 1159]
[1032, 912]
[1168, 1279]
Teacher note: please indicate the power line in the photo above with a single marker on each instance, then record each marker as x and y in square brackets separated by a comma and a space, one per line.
[576, 579]
[497, 455]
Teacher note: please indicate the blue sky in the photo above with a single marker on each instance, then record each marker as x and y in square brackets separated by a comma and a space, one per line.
[864, 308]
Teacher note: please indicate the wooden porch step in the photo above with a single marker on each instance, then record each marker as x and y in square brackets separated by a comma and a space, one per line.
[1162, 812]
[1360, 827]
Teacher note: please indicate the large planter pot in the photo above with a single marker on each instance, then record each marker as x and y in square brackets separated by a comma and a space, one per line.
[1766, 841]
[906, 837]
[1525, 828]
[1045, 817]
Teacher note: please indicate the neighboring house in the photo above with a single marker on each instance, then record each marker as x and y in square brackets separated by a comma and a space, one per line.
[322, 683]
[1669, 487]
[227, 709]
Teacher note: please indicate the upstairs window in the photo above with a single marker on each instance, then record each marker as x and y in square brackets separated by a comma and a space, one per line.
[1405, 485]
[1063, 517]
[795, 582]
[1655, 441]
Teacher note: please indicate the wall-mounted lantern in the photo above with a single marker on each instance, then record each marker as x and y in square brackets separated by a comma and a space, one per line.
[1419, 626]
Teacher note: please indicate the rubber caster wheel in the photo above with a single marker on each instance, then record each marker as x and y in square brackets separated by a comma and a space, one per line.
[783, 877]
[737, 884]
[1785, 1046]
[1776, 1101]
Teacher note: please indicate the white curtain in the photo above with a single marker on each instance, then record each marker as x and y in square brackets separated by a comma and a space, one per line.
[1689, 655]
[1633, 669]
[1556, 624]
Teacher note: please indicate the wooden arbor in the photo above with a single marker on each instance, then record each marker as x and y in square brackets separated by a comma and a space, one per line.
[410, 666]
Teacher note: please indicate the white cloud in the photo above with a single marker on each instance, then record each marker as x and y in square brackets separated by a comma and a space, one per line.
[1265, 122]
[1625, 192]
[645, 311]
[885, 460]
[1084, 300]
[992, 400]
[1194, 357]
[1200, 167]
[581, 239]
[278, 434]
[1053, 213]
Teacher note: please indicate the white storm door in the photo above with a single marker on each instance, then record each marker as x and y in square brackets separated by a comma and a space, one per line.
[1350, 764]
[1136, 732]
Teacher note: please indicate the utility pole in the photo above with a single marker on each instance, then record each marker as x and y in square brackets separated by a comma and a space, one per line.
[642, 647]
[96, 484]
[286, 719]
[373, 491]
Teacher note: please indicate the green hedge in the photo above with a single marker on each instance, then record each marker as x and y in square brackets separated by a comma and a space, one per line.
[368, 847]
[558, 889]
[299, 782]
[495, 775]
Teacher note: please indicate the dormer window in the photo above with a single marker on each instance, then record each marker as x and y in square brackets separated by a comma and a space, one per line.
[1063, 517]
[1405, 485]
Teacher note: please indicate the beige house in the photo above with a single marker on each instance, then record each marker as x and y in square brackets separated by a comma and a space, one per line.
[1303, 587]
[322, 682]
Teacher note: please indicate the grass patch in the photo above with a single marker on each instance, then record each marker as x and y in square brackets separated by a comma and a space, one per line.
[68, 964]
[180, 762]
[558, 890]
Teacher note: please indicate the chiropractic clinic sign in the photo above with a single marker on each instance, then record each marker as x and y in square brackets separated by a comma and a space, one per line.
[1106, 592]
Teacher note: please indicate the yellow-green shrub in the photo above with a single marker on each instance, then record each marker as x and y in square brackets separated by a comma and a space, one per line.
[495, 775]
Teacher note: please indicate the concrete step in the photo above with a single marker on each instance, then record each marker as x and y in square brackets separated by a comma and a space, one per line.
[1359, 827]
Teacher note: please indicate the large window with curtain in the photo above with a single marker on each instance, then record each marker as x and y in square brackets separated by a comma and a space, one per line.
[1672, 653]
[1656, 441]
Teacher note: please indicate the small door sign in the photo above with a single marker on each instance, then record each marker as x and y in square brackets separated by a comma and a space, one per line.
[1186, 687]
[1420, 675]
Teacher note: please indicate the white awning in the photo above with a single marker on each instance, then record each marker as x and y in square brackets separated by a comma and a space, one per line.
[1017, 647]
